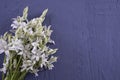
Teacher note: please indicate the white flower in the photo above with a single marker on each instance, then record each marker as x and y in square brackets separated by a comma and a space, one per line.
[20, 53]
[16, 45]
[51, 41]
[30, 31]
[28, 65]
[33, 21]
[51, 61]
[17, 24]
[35, 44]
[29, 43]
[50, 66]
[43, 60]
[34, 50]
[35, 57]
[3, 46]
[35, 72]
[28, 47]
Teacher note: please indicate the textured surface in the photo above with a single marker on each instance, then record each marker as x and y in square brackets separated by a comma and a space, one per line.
[87, 33]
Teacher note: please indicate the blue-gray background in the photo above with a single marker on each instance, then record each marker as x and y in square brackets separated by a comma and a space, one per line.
[87, 33]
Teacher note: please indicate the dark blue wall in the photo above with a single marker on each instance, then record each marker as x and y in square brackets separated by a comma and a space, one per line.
[87, 33]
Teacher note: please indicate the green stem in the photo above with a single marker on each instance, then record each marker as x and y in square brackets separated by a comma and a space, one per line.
[3, 75]
[10, 68]
[22, 76]
[15, 72]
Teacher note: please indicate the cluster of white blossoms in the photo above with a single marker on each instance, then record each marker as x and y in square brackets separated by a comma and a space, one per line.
[26, 47]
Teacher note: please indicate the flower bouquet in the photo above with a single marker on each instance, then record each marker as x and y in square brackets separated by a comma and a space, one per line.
[26, 47]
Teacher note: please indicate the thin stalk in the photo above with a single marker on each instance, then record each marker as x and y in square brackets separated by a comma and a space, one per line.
[3, 75]
[22, 76]
[12, 78]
